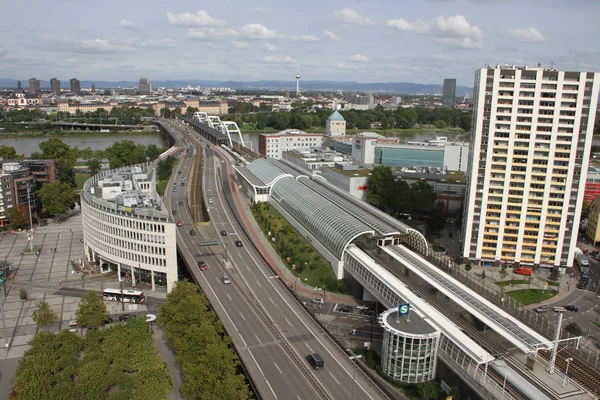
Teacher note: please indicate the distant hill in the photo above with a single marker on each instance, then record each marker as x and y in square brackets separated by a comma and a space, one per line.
[346, 86]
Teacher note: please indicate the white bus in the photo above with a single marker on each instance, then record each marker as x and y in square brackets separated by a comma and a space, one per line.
[127, 296]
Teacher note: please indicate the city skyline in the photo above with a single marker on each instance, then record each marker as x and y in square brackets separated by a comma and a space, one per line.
[421, 41]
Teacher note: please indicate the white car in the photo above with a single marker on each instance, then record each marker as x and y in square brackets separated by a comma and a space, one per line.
[318, 300]
[361, 307]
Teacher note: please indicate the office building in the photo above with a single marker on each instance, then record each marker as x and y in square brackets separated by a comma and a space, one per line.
[531, 141]
[274, 144]
[34, 86]
[145, 87]
[335, 125]
[75, 86]
[126, 229]
[351, 178]
[449, 93]
[592, 185]
[55, 86]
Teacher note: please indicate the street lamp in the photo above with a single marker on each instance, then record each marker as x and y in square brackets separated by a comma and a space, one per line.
[353, 374]
[504, 384]
[567, 360]
[30, 236]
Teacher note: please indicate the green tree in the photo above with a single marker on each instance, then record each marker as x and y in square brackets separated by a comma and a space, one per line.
[57, 198]
[19, 216]
[190, 111]
[441, 124]
[91, 311]
[378, 187]
[574, 329]
[94, 165]
[56, 149]
[422, 197]
[553, 277]
[9, 153]
[428, 391]
[468, 266]
[44, 315]
[125, 152]
[502, 272]
[152, 151]
[437, 218]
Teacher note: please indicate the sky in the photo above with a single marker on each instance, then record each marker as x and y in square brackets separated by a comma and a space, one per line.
[420, 41]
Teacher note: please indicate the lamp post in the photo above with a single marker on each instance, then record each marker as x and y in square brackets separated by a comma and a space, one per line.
[353, 375]
[30, 236]
[567, 360]
[504, 384]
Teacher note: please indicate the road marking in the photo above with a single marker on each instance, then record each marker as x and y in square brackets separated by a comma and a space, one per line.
[311, 350]
[229, 297]
[258, 283]
[289, 323]
[261, 372]
[258, 339]
[338, 382]
[278, 368]
[242, 315]
[271, 300]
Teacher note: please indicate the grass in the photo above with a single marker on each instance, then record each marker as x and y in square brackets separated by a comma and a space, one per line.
[161, 186]
[311, 268]
[531, 296]
[513, 282]
[552, 283]
[80, 178]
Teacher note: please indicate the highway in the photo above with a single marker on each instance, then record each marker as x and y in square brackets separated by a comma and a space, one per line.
[267, 325]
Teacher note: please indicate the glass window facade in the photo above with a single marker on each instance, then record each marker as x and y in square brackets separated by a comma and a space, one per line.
[410, 157]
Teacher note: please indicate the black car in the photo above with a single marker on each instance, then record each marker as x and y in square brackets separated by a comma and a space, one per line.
[124, 318]
[192, 232]
[347, 309]
[238, 243]
[369, 312]
[223, 233]
[108, 320]
[581, 285]
[180, 203]
[572, 307]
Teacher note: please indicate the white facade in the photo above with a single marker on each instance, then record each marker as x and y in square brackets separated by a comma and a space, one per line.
[274, 145]
[456, 157]
[532, 135]
[363, 149]
[353, 182]
[136, 246]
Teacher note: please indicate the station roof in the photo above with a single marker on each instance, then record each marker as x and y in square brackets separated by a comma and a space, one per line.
[265, 171]
[518, 333]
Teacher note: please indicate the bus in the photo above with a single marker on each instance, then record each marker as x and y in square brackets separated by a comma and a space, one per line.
[583, 263]
[126, 296]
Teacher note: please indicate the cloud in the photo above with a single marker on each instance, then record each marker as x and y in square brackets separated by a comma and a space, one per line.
[331, 36]
[403, 25]
[257, 31]
[269, 47]
[345, 66]
[457, 26]
[275, 59]
[359, 58]
[125, 24]
[211, 33]
[527, 34]
[349, 16]
[157, 43]
[99, 46]
[305, 38]
[464, 43]
[201, 18]
[239, 44]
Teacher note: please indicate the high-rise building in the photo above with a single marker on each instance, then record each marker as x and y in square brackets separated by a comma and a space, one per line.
[145, 87]
[449, 93]
[531, 140]
[55, 86]
[75, 86]
[34, 86]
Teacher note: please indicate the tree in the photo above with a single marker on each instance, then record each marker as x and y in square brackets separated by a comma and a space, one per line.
[57, 198]
[94, 165]
[423, 197]
[190, 111]
[482, 276]
[44, 315]
[553, 277]
[378, 187]
[574, 329]
[152, 151]
[468, 266]
[437, 218]
[19, 216]
[125, 152]
[428, 391]
[65, 157]
[502, 272]
[9, 153]
[91, 311]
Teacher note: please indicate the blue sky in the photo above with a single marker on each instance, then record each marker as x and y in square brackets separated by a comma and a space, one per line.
[421, 41]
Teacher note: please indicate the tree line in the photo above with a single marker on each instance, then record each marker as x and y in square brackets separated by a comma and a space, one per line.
[397, 197]
[126, 115]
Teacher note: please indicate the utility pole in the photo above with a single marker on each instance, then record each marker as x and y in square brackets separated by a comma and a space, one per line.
[30, 219]
[559, 311]
[122, 298]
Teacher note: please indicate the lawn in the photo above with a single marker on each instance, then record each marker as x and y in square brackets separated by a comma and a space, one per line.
[552, 283]
[80, 178]
[531, 296]
[310, 267]
[513, 282]
[161, 186]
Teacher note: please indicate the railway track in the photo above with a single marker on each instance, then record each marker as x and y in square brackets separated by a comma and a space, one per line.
[579, 370]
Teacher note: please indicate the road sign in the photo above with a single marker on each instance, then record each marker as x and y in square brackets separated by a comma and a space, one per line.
[209, 243]
[404, 309]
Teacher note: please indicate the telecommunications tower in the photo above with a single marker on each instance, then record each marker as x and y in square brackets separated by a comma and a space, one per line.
[298, 83]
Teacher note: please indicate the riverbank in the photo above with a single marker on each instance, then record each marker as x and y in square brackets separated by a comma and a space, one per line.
[69, 133]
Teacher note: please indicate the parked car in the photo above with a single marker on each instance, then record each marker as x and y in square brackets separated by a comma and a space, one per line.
[238, 243]
[223, 233]
[347, 309]
[124, 318]
[572, 307]
[73, 325]
[179, 222]
[108, 320]
[581, 285]
[542, 309]
[369, 312]
[318, 300]
[180, 203]
[174, 189]
[361, 307]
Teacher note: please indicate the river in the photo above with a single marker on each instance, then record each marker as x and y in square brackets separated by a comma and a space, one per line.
[27, 145]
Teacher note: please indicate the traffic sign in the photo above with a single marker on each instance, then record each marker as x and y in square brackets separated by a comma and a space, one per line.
[209, 243]
[404, 309]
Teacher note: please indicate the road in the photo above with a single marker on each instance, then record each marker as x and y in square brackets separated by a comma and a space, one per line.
[266, 324]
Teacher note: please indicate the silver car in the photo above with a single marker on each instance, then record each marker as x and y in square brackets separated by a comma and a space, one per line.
[226, 279]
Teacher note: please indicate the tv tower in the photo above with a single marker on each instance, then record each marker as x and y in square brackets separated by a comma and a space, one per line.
[298, 83]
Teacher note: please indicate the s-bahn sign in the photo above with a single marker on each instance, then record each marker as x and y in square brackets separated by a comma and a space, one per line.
[404, 309]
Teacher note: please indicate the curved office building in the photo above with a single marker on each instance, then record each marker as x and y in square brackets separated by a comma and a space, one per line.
[126, 228]
[409, 352]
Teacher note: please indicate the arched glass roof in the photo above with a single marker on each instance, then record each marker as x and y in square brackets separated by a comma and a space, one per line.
[265, 171]
[332, 227]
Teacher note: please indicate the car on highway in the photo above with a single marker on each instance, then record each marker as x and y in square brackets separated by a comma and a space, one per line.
[315, 361]
[572, 307]
[238, 243]
[202, 265]
[223, 233]
[210, 201]
[318, 300]
[180, 203]
[174, 212]
[179, 222]
[542, 309]
[182, 183]
[192, 232]
[226, 279]
[174, 189]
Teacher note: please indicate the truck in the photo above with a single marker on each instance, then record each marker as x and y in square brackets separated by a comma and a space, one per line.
[583, 264]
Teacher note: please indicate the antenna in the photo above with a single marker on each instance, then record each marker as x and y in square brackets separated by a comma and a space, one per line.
[298, 82]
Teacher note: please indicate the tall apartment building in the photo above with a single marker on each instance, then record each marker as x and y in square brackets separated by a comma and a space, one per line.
[531, 141]
[449, 93]
[75, 86]
[145, 87]
[34, 86]
[55, 86]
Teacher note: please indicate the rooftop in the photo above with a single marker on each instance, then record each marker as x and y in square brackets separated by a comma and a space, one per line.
[352, 172]
[414, 323]
[335, 116]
